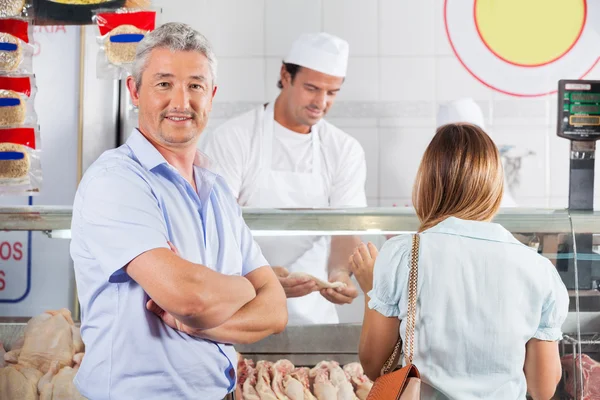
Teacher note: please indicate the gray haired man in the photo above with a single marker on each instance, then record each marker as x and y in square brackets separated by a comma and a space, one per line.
[168, 274]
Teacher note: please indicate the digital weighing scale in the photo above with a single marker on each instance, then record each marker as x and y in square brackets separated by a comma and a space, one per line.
[579, 121]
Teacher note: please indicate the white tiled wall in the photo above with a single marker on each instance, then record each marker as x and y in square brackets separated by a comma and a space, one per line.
[397, 20]
[401, 67]
[296, 16]
[356, 21]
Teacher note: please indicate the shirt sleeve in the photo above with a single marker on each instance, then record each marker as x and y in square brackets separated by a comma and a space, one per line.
[390, 276]
[252, 257]
[348, 188]
[554, 310]
[225, 150]
[117, 218]
[251, 253]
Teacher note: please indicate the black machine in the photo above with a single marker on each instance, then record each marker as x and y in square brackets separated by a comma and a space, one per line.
[579, 121]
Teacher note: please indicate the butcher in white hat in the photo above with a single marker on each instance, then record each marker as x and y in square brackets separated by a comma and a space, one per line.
[284, 154]
[466, 110]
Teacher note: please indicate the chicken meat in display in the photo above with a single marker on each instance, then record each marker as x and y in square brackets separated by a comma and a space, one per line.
[42, 364]
[19, 383]
[323, 388]
[334, 376]
[289, 382]
[58, 384]
[283, 381]
[247, 379]
[264, 372]
[300, 375]
[50, 337]
[362, 384]
[12, 356]
[281, 370]
[2, 353]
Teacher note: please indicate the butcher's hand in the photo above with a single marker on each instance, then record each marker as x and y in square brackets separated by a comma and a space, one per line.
[343, 295]
[294, 287]
[362, 262]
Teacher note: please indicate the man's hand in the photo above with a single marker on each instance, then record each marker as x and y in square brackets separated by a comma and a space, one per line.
[167, 318]
[294, 287]
[343, 295]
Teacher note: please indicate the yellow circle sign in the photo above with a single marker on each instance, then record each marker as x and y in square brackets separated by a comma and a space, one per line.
[530, 32]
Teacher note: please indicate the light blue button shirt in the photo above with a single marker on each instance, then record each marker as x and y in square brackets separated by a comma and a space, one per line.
[131, 201]
[481, 296]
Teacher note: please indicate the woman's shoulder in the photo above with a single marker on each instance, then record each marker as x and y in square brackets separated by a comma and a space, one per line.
[394, 253]
[400, 242]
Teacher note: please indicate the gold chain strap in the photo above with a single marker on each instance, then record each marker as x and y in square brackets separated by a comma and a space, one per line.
[412, 301]
[392, 361]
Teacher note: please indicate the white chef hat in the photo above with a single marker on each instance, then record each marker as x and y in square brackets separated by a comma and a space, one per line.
[461, 110]
[321, 52]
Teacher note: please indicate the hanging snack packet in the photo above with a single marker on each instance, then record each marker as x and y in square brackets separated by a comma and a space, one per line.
[20, 166]
[15, 8]
[16, 49]
[16, 101]
[121, 31]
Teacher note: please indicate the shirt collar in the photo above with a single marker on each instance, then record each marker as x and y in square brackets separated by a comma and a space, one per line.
[150, 157]
[474, 229]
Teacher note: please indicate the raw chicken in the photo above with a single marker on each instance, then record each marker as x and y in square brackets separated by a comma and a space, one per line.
[286, 386]
[78, 358]
[78, 346]
[282, 381]
[322, 387]
[281, 369]
[2, 353]
[247, 380]
[249, 391]
[58, 384]
[244, 368]
[321, 284]
[292, 388]
[19, 383]
[47, 378]
[50, 337]
[12, 357]
[341, 380]
[362, 384]
[301, 375]
[263, 380]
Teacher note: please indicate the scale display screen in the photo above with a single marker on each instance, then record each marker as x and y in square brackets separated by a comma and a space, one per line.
[585, 109]
[586, 97]
[579, 109]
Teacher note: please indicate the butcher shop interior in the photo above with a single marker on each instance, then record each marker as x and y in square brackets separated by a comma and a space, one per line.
[390, 76]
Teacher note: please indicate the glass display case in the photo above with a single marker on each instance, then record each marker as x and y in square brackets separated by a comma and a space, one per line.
[570, 240]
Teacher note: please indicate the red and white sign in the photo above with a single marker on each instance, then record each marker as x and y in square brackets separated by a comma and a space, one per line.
[523, 48]
[14, 266]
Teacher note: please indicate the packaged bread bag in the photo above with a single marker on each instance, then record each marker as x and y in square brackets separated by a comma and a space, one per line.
[121, 31]
[20, 164]
[16, 8]
[16, 46]
[17, 101]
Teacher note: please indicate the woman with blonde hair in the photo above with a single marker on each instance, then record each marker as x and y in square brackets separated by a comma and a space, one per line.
[489, 309]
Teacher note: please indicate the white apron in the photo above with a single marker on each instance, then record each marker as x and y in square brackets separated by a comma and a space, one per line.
[285, 189]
